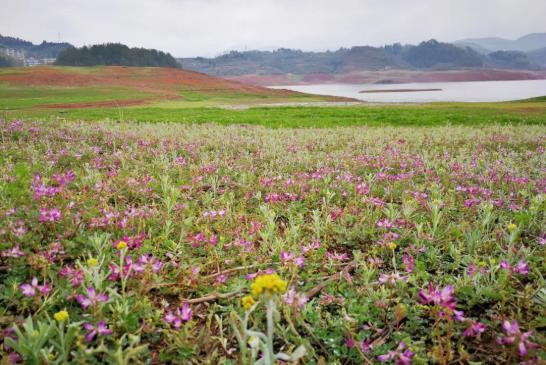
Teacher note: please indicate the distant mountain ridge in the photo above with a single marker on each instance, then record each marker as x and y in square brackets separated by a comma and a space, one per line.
[429, 55]
[529, 42]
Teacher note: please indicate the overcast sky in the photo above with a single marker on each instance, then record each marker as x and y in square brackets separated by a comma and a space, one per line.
[211, 27]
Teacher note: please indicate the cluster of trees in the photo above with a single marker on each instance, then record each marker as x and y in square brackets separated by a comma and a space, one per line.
[42, 50]
[434, 54]
[7, 61]
[510, 59]
[114, 54]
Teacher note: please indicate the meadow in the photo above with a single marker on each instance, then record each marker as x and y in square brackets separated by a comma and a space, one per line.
[165, 95]
[187, 243]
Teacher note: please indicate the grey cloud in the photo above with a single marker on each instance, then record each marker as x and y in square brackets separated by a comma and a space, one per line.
[210, 27]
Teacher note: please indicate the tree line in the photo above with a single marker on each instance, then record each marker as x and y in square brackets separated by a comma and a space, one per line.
[114, 54]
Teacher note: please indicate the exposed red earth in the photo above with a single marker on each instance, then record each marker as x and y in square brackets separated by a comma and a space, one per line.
[165, 80]
[393, 77]
[156, 84]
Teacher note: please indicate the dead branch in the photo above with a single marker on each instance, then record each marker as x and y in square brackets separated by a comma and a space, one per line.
[211, 297]
[317, 289]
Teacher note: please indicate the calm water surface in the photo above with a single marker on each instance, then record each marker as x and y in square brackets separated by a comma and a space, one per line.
[475, 91]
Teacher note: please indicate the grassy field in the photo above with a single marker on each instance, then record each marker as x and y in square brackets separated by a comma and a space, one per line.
[154, 243]
[158, 95]
[42, 89]
[313, 116]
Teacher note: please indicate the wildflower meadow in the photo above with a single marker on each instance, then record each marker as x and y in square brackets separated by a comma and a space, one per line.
[128, 243]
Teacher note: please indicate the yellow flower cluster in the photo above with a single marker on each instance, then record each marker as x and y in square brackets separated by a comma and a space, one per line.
[121, 245]
[511, 227]
[270, 284]
[248, 302]
[92, 262]
[61, 316]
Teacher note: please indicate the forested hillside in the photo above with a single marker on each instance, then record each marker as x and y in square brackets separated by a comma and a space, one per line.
[115, 54]
[429, 55]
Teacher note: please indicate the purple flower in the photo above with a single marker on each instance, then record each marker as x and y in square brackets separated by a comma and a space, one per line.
[222, 278]
[513, 335]
[92, 298]
[13, 252]
[520, 268]
[92, 331]
[459, 316]
[75, 276]
[29, 290]
[178, 316]
[49, 215]
[294, 299]
[474, 329]
[290, 257]
[153, 262]
[337, 256]
[409, 262]
[391, 279]
[401, 355]
[443, 298]
[473, 269]
[362, 188]
[366, 346]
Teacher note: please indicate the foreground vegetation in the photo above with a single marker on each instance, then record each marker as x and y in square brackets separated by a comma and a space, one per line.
[154, 243]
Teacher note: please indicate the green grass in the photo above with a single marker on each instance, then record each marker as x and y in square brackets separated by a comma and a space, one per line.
[17, 97]
[276, 117]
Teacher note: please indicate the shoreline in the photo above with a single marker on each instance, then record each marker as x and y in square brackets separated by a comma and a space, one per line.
[387, 77]
[395, 91]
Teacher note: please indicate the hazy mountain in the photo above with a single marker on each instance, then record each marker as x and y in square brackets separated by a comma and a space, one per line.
[430, 55]
[526, 43]
[427, 55]
[538, 57]
[42, 50]
[510, 59]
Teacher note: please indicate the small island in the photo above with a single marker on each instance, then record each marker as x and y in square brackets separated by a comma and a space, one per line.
[396, 90]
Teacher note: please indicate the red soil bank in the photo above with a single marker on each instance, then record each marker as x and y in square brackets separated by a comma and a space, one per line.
[393, 76]
[159, 83]
[152, 79]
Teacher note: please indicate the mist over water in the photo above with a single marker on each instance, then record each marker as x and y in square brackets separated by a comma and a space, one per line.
[474, 91]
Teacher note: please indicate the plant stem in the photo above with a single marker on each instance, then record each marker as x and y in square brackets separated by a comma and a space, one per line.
[270, 329]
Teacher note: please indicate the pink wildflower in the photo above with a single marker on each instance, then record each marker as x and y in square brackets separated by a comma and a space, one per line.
[92, 298]
[474, 329]
[180, 315]
[13, 252]
[402, 355]
[443, 297]
[75, 276]
[100, 330]
[409, 262]
[30, 290]
[294, 299]
[513, 335]
[391, 279]
[49, 215]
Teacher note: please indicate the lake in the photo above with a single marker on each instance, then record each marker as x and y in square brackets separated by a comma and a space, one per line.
[474, 91]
